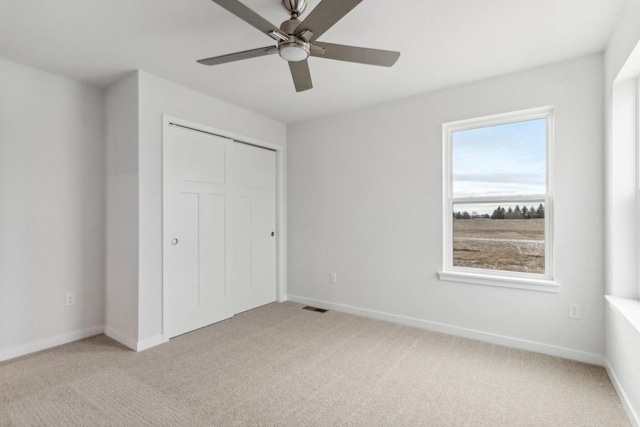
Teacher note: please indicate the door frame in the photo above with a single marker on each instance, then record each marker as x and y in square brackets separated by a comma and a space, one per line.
[281, 201]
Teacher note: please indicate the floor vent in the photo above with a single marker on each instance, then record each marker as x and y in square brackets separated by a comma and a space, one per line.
[316, 309]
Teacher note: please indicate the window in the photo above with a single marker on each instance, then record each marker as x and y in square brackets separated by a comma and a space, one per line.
[498, 208]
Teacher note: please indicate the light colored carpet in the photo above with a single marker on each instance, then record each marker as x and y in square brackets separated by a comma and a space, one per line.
[281, 365]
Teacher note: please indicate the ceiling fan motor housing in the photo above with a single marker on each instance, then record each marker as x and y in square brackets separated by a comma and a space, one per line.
[289, 26]
[295, 8]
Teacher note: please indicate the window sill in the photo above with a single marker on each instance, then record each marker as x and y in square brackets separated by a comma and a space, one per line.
[541, 285]
[628, 308]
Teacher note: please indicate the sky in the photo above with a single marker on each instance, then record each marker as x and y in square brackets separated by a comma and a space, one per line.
[499, 160]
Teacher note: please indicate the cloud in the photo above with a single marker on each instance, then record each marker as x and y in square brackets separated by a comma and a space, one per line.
[496, 188]
[532, 178]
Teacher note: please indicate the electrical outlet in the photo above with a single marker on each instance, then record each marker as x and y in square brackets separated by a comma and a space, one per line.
[70, 299]
[575, 311]
[333, 278]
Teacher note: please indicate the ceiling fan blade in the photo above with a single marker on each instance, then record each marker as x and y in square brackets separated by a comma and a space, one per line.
[248, 15]
[254, 53]
[325, 15]
[361, 55]
[301, 75]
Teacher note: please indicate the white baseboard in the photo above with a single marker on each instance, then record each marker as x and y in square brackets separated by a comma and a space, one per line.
[150, 342]
[132, 343]
[44, 344]
[626, 403]
[21, 350]
[537, 347]
[121, 338]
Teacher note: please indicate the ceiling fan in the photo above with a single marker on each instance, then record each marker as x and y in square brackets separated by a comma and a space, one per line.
[297, 40]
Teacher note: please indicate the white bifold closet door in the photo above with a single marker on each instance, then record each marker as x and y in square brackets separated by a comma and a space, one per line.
[219, 226]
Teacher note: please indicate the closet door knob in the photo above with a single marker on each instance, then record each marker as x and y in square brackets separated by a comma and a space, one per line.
[273, 234]
[174, 241]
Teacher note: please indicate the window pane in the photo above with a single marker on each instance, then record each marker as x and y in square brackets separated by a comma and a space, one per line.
[508, 159]
[507, 237]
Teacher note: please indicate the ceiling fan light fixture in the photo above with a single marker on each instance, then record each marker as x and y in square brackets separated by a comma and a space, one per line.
[293, 52]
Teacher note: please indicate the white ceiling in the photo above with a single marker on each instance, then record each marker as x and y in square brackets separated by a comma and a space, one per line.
[443, 43]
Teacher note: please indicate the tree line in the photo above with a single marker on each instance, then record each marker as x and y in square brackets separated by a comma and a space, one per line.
[502, 213]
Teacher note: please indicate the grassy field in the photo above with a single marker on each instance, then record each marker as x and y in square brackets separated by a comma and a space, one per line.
[507, 244]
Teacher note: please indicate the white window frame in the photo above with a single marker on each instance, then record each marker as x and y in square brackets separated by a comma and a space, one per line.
[629, 306]
[530, 281]
[637, 144]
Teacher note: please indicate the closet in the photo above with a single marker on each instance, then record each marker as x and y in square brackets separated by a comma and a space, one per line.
[218, 228]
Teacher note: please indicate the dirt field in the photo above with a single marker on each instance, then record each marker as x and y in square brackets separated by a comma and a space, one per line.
[507, 244]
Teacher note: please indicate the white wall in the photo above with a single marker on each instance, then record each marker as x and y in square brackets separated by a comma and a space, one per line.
[122, 227]
[158, 97]
[622, 60]
[365, 191]
[51, 209]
